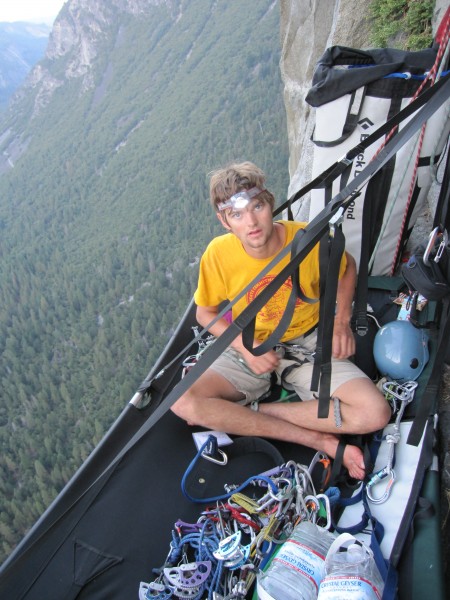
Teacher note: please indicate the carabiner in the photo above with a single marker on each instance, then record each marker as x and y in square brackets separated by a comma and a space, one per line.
[375, 479]
[211, 448]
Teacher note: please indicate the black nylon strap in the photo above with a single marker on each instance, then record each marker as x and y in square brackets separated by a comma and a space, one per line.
[430, 394]
[296, 275]
[330, 260]
[351, 121]
[442, 214]
[248, 334]
[359, 318]
[318, 357]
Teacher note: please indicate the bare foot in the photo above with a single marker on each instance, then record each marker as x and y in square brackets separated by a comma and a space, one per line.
[354, 462]
[352, 459]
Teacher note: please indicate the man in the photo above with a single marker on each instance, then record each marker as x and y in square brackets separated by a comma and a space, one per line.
[222, 398]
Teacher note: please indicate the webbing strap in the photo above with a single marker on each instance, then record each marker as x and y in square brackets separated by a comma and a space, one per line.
[387, 570]
[359, 317]
[248, 334]
[428, 399]
[351, 120]
[442, 214]
[296, 275]
[330, 259]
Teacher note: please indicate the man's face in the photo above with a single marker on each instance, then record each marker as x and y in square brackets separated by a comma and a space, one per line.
[253, 226]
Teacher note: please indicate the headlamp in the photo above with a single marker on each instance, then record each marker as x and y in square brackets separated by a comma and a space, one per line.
[240, 199]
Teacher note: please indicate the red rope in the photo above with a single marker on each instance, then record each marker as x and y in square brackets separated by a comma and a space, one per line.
[444, 35]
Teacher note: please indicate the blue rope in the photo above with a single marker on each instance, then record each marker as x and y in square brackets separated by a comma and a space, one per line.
[411, 76]
[250, 480]
[334, 495]
[404, 75]
[203, 542]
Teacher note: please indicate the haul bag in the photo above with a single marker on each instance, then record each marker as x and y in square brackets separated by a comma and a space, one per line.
[354, 92]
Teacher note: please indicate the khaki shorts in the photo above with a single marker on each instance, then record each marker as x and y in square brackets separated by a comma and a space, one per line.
[299, 352]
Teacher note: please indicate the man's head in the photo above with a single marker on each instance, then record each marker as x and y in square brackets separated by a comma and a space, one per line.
[225, 183]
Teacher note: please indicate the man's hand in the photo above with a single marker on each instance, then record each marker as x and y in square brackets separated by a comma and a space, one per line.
[266, 363]
[343, 340]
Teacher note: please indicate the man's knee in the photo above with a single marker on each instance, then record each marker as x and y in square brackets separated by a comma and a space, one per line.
[364, 406]
[185, 408]
[373, 420]
[383, 414]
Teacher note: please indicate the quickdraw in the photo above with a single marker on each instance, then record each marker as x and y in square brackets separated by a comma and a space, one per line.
[399, 396]
[219, 556]
[203, 344]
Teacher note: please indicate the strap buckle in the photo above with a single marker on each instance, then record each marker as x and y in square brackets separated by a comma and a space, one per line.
[336, 221]
[361, 326]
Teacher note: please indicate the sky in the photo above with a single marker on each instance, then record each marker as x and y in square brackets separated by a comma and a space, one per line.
[35, 11]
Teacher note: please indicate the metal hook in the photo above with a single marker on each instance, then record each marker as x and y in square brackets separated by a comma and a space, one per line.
[375, 479]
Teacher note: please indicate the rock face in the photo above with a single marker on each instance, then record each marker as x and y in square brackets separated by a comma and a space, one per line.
[76, 37]
[82, 34]
[307, 29]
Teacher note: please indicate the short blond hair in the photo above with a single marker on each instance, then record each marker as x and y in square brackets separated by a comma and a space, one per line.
[229, 180]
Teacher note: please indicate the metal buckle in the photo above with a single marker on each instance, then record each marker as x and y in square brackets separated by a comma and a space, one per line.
[361, 327]
[223, 461]
[336, 221]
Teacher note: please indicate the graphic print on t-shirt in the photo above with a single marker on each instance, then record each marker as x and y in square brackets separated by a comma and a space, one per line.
[276, 305]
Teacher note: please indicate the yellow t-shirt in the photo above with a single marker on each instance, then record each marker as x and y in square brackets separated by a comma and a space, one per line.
[226, 269]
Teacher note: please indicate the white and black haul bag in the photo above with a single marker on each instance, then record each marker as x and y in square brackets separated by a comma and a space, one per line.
[354, 92]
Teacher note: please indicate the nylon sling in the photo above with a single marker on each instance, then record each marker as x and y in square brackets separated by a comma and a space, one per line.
[248, 334]
[330, 259]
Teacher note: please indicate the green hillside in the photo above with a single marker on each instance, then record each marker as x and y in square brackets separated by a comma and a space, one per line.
[104, 216]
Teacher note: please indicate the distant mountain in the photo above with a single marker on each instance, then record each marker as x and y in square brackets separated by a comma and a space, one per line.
[104, 158]
[22, 45]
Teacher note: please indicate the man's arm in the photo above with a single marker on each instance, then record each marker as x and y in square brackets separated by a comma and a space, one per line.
[258, 364]
[343, 339]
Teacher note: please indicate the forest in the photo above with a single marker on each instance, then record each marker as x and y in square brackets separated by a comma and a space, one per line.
[104, 217]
